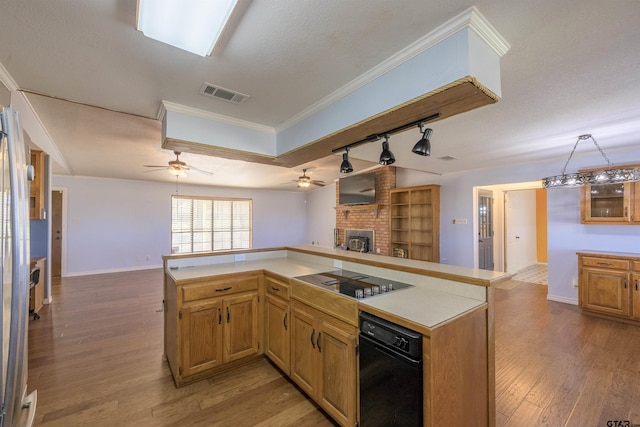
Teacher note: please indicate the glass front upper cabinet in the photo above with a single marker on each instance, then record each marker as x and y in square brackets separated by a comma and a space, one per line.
[611, 203]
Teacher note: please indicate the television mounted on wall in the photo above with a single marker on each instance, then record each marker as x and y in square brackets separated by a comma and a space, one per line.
[357, 189]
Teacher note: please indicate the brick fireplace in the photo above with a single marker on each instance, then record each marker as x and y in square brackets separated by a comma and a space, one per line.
[369, 217]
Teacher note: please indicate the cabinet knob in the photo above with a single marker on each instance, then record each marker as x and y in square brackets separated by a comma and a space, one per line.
[318, 342]
[636, 284]
[625, 283]
[313, 343]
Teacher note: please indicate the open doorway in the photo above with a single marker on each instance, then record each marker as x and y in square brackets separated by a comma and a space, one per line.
[511, 222]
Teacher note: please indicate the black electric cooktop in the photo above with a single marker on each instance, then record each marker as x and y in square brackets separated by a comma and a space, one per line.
[350, 283]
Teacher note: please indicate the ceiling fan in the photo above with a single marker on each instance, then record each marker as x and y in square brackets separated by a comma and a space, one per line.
[304, 181]
[177, 167]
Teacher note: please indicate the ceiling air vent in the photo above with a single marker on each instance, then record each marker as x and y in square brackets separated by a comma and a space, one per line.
[222, 94]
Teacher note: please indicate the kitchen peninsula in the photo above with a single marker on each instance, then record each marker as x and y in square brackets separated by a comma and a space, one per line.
[225, 309]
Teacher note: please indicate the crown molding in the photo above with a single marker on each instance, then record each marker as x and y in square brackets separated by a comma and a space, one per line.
[179, 108]
[487, 32]
[7, 80]
[471, 18]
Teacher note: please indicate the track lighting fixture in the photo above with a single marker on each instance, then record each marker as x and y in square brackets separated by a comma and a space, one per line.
[346, 166]
[386, 157]
[423, 147]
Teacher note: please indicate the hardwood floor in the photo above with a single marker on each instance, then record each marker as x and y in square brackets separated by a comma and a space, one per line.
[558, 367]
[95, 359]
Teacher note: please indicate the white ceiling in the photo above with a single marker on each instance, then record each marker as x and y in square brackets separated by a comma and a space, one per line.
[573, 68]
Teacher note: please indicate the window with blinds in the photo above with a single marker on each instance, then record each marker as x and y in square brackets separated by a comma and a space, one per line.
[201, 224]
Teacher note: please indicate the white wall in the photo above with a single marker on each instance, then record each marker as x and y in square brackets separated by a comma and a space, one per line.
[113, 225]
[321, 215]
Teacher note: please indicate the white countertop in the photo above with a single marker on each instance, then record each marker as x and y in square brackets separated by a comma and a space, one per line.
[282, 266]
[422, 306]
[419, 304]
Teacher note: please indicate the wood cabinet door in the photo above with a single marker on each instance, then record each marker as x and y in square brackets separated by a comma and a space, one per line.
[607, 203]
[606, 291]
[337, 383]
[241, 327]
[304, 355]
[635, 291]
[634, 203]
[277, 342]
[201, 337]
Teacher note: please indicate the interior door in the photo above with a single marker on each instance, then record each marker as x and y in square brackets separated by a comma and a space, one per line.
[485, 230]
[56, 231]
[520, 229]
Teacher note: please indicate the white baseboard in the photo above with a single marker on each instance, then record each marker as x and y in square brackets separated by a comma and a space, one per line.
[565, 300]
[114, 270]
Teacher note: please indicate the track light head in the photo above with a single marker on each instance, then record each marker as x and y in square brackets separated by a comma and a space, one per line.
[386, 157]
[423, 147]
[346, 166]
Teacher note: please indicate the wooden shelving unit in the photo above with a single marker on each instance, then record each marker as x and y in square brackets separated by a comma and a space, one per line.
[36, 187]
[415, 223]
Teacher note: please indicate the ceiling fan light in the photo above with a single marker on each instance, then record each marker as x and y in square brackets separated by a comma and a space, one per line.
[386, 157]
[304, 184]
[423, 147]
[177, 172]
[346, 166]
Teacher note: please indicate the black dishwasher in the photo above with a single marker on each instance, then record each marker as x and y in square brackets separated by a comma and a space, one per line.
[391, 386]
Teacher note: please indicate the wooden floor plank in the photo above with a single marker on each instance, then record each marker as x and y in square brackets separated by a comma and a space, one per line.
[95, 357]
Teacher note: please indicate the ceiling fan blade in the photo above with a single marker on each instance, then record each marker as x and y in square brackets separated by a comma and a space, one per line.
[199, 170]
[155, 166]
[318, 183]
[162, 168]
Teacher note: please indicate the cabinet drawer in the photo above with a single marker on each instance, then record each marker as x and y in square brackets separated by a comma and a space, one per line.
[618, 264]
[214, 288]
[276, 287]
[636, 265]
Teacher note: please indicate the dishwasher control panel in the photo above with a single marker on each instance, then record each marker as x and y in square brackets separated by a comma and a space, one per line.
[391, 335]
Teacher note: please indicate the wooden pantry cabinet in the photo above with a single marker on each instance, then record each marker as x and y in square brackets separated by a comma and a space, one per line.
[609, 284]
[211, 324]
[415, 223]
[277, 322]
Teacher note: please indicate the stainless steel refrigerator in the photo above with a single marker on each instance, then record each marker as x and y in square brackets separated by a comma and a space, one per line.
[17, 409]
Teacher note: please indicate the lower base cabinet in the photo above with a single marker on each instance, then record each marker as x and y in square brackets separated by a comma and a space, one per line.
[276, 316]
[609, 284]
[211, 324]
[323, 361]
